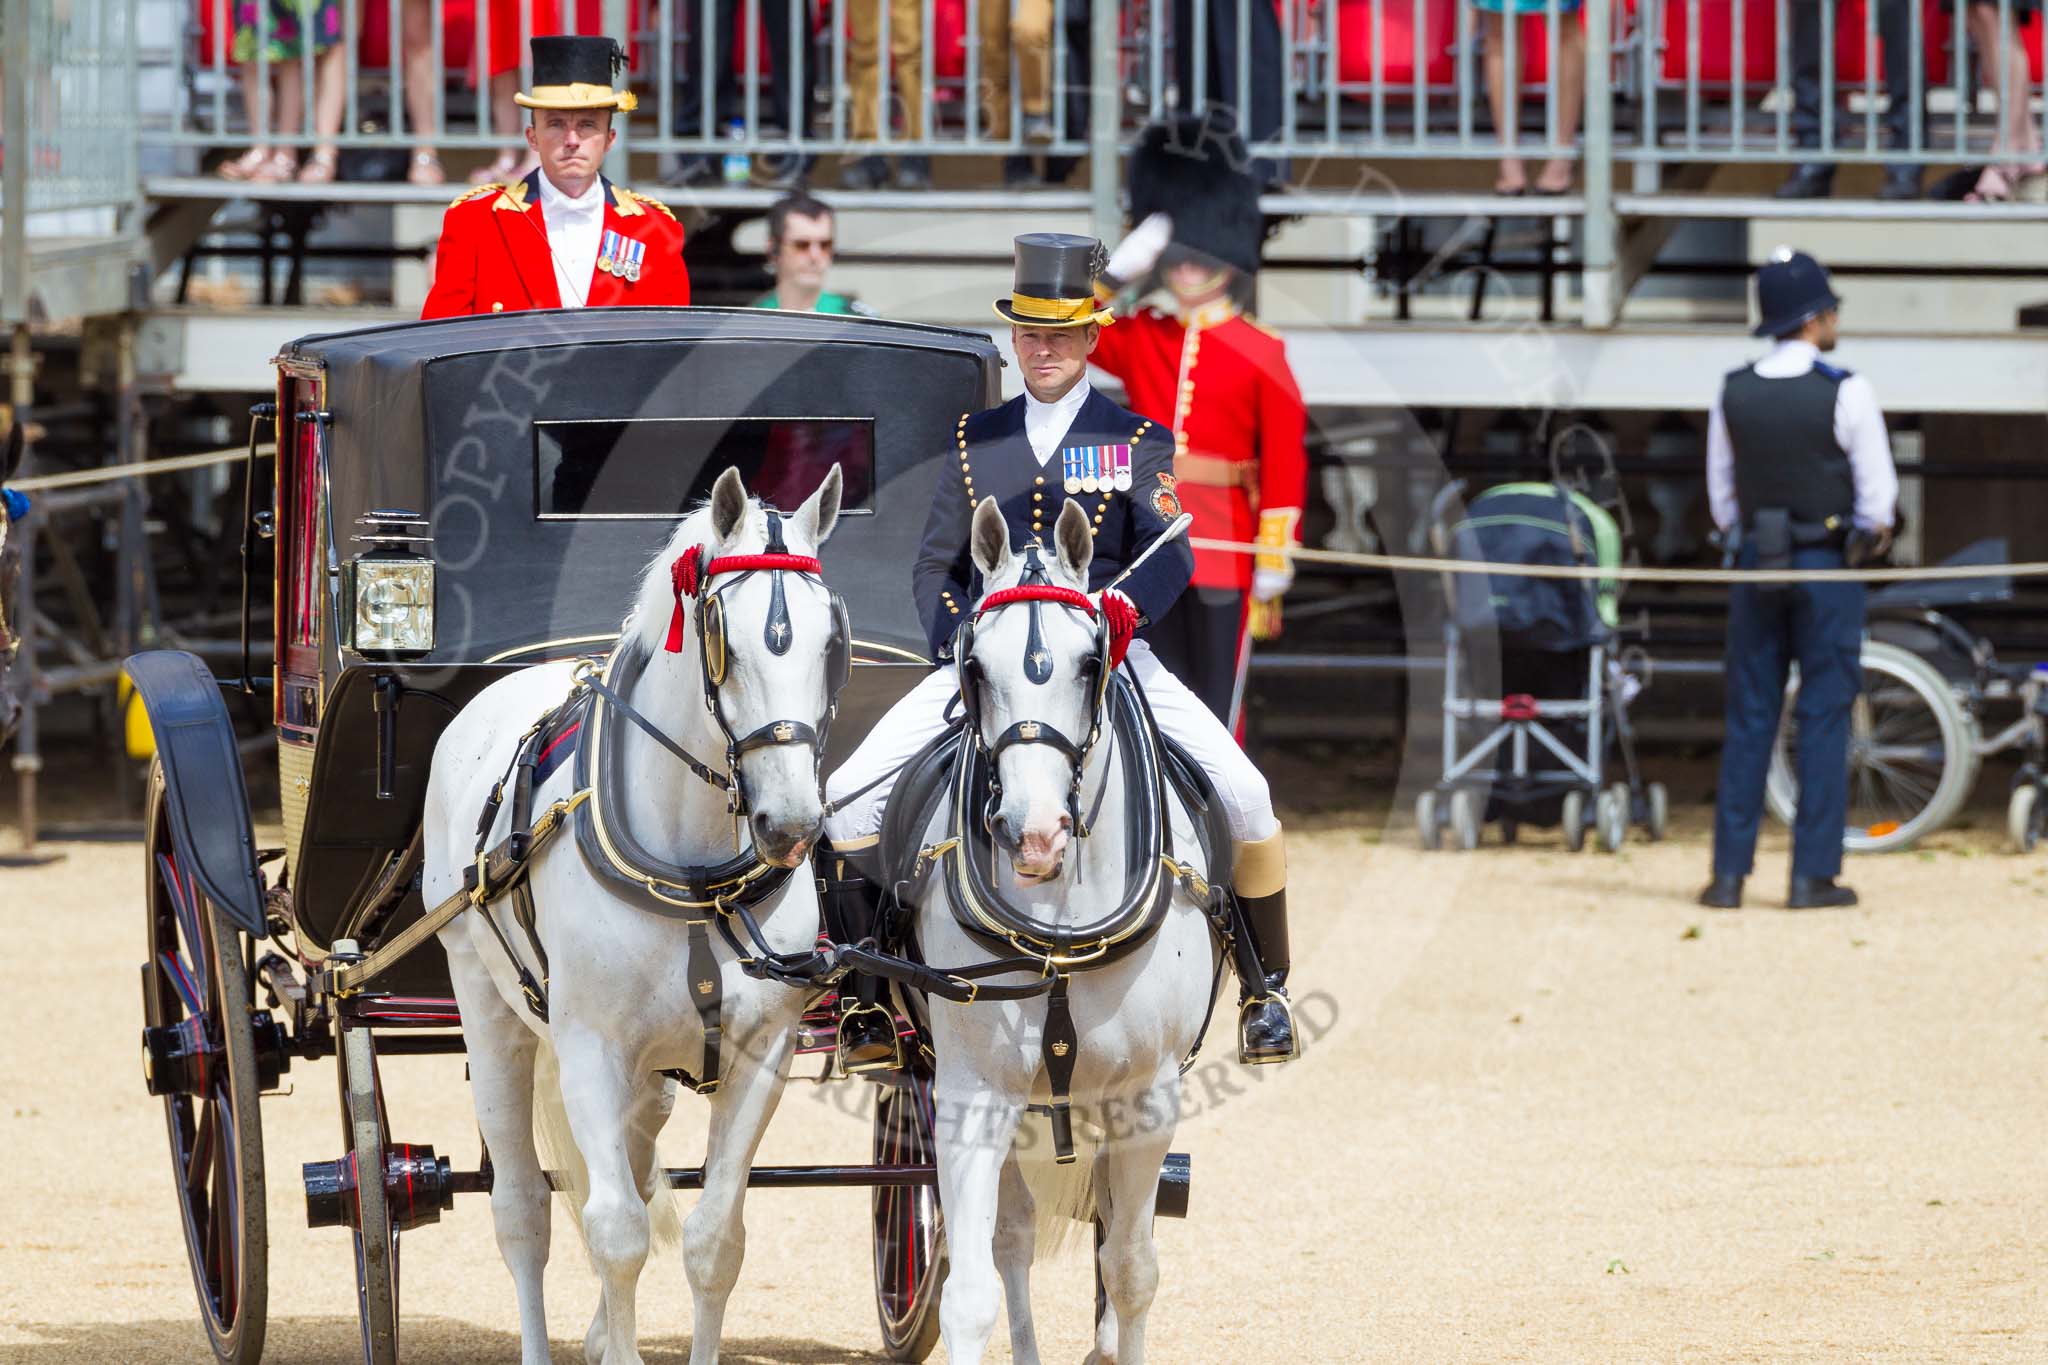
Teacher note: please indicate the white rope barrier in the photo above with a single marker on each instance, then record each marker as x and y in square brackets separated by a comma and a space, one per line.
[80, 478]
[1342, 558]
[1425, 564]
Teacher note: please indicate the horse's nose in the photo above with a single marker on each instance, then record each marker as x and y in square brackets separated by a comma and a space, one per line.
[777, 843]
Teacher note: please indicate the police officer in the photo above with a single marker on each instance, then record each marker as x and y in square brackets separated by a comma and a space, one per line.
[1799, 475]
[1059, 441]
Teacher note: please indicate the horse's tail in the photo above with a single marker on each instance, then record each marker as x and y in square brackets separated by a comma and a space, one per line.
[1062, 1196]
[559, 1153]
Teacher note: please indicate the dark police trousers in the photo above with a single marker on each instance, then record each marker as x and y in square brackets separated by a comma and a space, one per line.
[1819, 626]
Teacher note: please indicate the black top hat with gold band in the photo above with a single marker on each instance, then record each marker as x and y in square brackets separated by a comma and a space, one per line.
[1055, 282]
[576, 73]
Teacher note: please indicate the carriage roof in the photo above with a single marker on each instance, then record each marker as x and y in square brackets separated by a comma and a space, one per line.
[481, 424]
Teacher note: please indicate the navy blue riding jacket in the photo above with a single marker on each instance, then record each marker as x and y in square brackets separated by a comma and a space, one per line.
[995, 460]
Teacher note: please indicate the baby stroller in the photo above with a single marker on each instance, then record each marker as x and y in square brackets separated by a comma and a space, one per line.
[1536, 753]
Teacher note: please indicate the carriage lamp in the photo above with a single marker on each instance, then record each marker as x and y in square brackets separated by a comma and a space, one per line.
[391, 586]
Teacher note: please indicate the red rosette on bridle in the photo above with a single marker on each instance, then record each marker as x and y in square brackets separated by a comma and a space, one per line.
[682, 574]
[1123, 625]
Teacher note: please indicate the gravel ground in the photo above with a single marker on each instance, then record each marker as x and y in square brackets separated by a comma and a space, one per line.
[1551, 1112]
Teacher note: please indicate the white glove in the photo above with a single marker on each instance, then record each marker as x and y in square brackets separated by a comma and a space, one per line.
[1268, 584]
[1138, 252]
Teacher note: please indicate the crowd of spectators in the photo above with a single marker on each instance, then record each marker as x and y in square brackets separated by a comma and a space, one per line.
[998, 33]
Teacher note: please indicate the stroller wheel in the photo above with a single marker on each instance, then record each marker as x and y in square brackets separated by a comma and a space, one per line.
[1610, 816]
[1465, 818]
[2021, 823]
[1659, 802]
[1426, 826]
[1574, 820]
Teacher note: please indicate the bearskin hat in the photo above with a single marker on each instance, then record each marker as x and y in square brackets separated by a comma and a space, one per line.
[1195, 169]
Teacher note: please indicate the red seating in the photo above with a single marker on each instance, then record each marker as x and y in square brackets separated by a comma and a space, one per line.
[1717, 44]
[1439, 24]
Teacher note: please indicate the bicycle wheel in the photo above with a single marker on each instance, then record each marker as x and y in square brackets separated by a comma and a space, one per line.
[1912, 753]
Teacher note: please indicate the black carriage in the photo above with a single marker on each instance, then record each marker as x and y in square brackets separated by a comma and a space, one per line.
[453, 500]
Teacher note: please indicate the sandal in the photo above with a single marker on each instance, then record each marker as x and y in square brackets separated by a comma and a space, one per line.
[1994, 186]
[280, 165]
[245, 166]
[426, 169]
[320, 167]
[1546, 186]
[504, 169]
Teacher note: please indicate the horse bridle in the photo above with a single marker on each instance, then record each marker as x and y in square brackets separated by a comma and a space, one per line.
[1034, 590]
[691, 577]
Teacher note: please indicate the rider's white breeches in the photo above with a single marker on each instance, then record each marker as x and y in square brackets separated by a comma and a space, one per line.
[912, 723]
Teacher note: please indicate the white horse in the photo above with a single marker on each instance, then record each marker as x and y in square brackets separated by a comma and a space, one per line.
[1136, 1017]
[618, 993]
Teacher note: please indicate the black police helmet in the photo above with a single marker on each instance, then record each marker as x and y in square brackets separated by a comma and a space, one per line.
[1791, 289]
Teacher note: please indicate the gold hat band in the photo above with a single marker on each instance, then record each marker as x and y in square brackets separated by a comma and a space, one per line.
[1053, 310]
[578, 95]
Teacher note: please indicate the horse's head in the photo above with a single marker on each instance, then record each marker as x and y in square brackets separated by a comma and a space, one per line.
[1034, 661]
[772, 645]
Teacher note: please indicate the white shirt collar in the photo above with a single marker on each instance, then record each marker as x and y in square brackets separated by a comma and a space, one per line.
[1788, 359]
[1046, 423]
[554, 203]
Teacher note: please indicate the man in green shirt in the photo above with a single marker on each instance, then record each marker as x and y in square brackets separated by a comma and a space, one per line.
[799, 255]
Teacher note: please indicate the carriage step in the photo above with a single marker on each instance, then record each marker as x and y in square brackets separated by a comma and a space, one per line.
[417, 1186]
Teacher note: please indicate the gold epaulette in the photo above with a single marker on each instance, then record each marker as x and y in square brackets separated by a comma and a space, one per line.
[511, 198]
[637, 198]
[472, 192]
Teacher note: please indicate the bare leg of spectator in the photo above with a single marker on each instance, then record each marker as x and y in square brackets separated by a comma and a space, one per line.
[330, 101]
[417, 24]
[1556, 176]
[253, 164]
[2016, 154]
[1513, 179]
[287, 118]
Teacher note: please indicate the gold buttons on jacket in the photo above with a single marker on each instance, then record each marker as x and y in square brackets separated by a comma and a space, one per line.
[497, 307]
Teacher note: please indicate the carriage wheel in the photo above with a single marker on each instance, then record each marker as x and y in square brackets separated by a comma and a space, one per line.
[2022, 817]
[910, 1238]
[376, 1235]
[1912, 753]
[199, 1054]
[1426, 826]
[1573, 820]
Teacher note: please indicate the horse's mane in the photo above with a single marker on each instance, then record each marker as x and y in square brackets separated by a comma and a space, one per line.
[647, 620]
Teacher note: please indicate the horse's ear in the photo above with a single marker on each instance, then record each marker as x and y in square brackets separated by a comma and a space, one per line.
[990, 539]
[11, 459]
[820, 512]
[728, 504]
[1076, 545]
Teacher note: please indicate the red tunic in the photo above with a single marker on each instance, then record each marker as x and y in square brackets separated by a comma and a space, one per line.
[494, 255]
[1238, 422]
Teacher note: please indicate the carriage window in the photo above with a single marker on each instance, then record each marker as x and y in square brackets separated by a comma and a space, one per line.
[661, 467]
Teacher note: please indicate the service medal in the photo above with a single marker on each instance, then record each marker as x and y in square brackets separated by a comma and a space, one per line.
[1120, 467]
[1070, 467]
[1091, 469]
[634, 252]
[607, 251]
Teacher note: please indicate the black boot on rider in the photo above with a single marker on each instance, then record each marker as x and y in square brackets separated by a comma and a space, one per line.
[1265, 1022]
[867, 1026]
